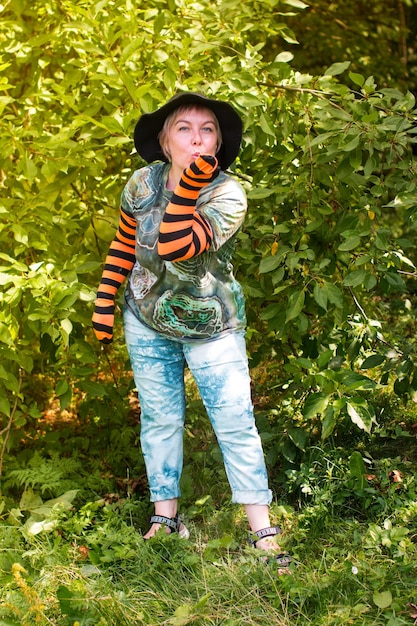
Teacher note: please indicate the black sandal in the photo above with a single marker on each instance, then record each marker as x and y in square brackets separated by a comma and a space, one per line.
[283, 559]
[172, 523]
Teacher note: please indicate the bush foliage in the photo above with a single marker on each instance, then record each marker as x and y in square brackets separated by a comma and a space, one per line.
[326, 257]
[327, 261]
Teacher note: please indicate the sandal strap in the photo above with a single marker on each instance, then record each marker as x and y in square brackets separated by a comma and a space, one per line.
[283, 559]
[173, 523]
[264, 532]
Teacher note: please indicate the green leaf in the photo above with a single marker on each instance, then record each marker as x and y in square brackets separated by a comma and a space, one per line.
[66, 325]
[61, 387]
[181, 615]
[287, 34]
[355, 278]
[370, 281]
[271, 311]
[373, 361]
[65, 500]
[9, 381]
[266, 125]
[284, 57]
[296, 3]
[67, 601]
[65, 398]
[289, 450]
[334, 294]
[358, 79]
[357, 465]
[269, 263]
[29, 500]
[396, 281]
[29, 168]
[88, 266]
[35, 526]
[328, 422]
[321, 139]
[337, 68]
[320, 296]
[259, 193]
[93, 388]
[370, 165]
[350, 244]
[381, 241]
[253, 292]
[359, 415]
[6, 279]
[5, 406]
[315, 404]
[382, 599]
[353, 381]
[351, 145]
[295, 305]
[299, 437]
[248, 100]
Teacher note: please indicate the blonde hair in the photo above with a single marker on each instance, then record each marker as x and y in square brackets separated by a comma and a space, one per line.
[170, 120]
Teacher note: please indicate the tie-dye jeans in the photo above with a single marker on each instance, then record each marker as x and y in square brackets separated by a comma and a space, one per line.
[220, 369]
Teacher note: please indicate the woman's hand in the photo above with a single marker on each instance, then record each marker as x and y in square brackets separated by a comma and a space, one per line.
[204, 165]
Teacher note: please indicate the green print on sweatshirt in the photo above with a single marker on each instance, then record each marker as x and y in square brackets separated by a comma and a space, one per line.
[197, 298]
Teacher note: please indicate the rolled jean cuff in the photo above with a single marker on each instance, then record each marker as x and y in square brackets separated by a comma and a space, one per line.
[252, 497]
[156, 495]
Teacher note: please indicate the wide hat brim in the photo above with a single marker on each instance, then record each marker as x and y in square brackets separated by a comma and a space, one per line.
[150, 125]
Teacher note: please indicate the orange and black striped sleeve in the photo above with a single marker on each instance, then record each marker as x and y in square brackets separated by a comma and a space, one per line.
[183, 232]
[119, 262]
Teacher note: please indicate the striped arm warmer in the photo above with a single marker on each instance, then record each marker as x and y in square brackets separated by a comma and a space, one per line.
[184, 233]
[119, 261]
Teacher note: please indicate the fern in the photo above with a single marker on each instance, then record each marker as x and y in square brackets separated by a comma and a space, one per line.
[49, 475]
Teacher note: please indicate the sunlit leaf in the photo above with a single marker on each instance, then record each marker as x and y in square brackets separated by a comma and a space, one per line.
[382, 599]
[315, 404]
[360, 416]
[337, 68]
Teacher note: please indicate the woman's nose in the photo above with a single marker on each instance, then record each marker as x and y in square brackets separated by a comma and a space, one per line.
[196, 138]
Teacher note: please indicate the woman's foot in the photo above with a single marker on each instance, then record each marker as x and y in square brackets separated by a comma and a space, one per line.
[268, 544]
[169, 525]
[154, 529]
[264, 540]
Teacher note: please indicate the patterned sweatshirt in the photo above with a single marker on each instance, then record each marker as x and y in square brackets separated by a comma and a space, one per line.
[186, 291]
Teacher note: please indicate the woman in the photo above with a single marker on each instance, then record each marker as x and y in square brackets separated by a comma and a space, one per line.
[179, 219]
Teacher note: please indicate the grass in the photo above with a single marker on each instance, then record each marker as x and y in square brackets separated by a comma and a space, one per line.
[353, 539]
[103, 573]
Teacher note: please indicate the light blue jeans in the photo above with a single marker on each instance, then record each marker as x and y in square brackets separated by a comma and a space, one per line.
[220, 369]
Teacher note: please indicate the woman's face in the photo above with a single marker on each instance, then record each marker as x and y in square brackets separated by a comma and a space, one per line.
[191, 133]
